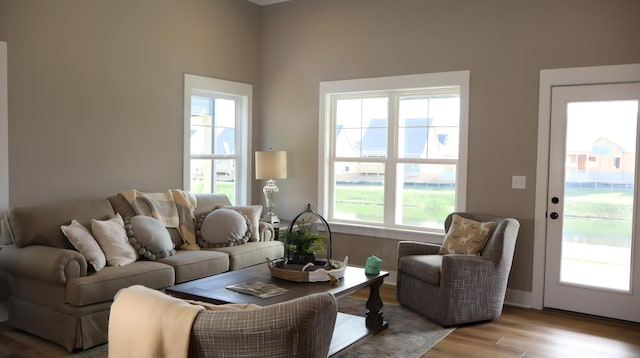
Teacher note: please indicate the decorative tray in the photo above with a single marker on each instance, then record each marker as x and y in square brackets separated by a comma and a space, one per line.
[309, 272]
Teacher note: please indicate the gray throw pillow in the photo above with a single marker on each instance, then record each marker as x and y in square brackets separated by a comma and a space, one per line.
[253, 212]
[149, 237]
[222, 227]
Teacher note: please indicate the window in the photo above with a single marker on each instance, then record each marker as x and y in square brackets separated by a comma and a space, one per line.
[394, 152]
[216, 145]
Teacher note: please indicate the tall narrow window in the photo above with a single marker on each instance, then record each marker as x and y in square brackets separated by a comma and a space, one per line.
[216, 137]
[394, 150]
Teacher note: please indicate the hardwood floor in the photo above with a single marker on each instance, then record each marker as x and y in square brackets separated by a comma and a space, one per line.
[519, 332]
[522, 332]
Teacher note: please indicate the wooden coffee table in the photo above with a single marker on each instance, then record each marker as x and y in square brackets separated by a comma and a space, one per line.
[349, 328]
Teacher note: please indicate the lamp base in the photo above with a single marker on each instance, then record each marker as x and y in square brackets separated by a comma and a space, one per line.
[272, 219]
[270, 194]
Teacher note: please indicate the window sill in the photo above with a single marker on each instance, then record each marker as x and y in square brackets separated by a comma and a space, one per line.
[386, 233]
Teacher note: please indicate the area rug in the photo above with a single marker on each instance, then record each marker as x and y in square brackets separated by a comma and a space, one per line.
[409, 335]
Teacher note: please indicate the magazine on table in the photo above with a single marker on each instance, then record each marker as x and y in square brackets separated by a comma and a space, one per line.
[258, 289]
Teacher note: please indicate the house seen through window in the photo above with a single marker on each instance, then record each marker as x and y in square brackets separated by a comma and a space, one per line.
[395, 156]
[215, 130]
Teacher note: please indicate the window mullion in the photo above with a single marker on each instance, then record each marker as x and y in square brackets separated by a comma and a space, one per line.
[390, 182]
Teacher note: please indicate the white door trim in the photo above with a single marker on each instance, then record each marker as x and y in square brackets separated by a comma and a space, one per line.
[548, 80]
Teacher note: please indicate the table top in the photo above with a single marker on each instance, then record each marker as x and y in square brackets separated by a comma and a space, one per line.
[213, 288]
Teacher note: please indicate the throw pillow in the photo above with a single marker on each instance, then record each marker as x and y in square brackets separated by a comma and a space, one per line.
[466, 236]
[113, 241]
[82, 240]
[222, 227]
[253, 212]
[149, 237]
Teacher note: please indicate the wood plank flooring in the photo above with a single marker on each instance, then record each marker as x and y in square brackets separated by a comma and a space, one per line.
[519, 332]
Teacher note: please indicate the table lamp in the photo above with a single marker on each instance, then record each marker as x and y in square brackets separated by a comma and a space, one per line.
[271, 165]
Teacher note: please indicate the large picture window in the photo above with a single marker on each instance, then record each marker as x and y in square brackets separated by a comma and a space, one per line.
[216, 137]
[394, 150]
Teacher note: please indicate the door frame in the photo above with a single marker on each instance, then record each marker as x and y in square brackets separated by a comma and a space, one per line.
[549, 79]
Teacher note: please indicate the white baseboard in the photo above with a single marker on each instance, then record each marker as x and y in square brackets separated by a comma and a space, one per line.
[518, 298]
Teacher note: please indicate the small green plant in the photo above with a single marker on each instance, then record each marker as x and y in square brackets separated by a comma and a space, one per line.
[304, 241]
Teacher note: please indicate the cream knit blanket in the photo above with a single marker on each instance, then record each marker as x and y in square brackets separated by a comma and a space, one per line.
[174, 208]
[148, 323]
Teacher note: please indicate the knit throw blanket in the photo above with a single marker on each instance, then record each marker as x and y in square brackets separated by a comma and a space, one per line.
[174, 208]
[147, 323]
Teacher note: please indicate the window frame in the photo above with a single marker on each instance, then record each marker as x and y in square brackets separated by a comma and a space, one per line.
[198, 85]
[4, 131]
[399, 84]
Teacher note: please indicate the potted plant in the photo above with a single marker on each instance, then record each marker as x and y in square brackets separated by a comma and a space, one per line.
[304, 244]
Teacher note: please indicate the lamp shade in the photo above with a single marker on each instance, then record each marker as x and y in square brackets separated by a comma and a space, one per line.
[271, 165]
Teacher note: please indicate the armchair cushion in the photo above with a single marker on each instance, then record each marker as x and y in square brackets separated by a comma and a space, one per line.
[466, 236]
[425, 267]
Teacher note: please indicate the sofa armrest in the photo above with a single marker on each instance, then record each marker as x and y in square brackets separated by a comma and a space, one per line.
[43, 262]
[266, 232]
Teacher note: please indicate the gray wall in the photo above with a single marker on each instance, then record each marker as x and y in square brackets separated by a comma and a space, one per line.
[504, 43]
[95, 87]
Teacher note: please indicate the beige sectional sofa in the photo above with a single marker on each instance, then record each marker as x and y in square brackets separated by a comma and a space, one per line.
[56, 295]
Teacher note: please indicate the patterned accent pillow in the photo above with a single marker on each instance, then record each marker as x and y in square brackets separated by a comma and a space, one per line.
[222, 227]
[466, 236]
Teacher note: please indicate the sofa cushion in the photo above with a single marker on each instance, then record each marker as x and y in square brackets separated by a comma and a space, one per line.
[223, 227]
[149, 237]
[466, 236]
[252, 253]
[40, 225]
[113, 241]
[193, 264]
[423, 267]
[103, 285]
[85, 243]
[253, 212]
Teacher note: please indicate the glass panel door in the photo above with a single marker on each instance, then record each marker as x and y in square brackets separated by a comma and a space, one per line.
[592, 246]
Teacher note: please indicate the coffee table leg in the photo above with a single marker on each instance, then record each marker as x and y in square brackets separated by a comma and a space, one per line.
[374, 320]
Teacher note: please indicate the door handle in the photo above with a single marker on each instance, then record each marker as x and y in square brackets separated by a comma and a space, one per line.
[555, 200]
[554, 215]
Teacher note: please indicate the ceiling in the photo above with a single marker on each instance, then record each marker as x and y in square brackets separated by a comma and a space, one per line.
[266, 2]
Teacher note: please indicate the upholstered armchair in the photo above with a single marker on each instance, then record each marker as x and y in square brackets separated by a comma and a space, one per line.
[454, 289]
[148, 323]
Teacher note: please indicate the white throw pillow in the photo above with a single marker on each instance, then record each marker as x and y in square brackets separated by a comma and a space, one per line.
[81, 238]
[113, 241]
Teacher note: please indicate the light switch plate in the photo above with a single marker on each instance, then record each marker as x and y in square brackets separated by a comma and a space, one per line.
[518, 182]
